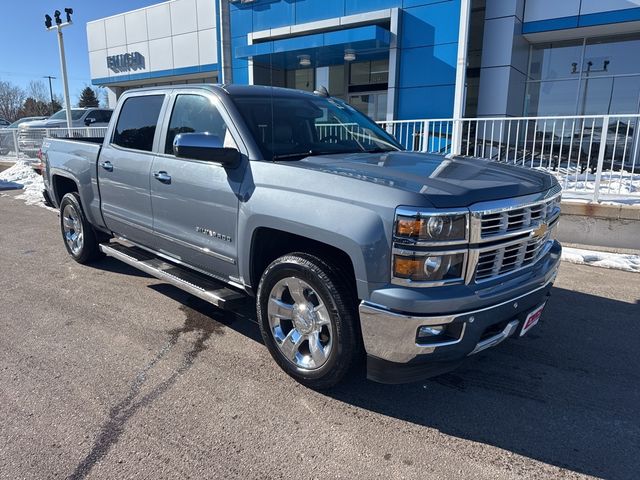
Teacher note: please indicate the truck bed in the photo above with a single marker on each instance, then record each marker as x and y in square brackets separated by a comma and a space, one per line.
[75, 159]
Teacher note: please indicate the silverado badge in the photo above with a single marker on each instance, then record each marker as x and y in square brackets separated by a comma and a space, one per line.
[211, 233]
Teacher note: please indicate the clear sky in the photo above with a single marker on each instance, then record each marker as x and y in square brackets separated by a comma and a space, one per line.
[28, 51]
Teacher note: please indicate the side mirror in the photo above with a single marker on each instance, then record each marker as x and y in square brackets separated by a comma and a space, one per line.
[204, 146]
[88, 121]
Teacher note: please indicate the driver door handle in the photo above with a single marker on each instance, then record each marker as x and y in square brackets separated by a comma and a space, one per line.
[108, 166]
[162, 176]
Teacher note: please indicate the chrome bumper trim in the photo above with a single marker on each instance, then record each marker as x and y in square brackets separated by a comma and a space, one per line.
[496, 339]
[392, 336]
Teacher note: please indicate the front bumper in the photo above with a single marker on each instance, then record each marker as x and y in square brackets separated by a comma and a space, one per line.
[396, 355]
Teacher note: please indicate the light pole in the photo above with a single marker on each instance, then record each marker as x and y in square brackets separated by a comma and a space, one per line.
[63, 63]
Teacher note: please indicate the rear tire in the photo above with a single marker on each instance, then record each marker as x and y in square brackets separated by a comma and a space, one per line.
[308, 320]
[78, 234]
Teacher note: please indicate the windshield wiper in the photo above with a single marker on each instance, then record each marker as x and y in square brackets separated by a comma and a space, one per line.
[284, 156]
[310, 153]
[380, 150]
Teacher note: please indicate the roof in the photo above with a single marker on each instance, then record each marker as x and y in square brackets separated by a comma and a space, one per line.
[231, 89]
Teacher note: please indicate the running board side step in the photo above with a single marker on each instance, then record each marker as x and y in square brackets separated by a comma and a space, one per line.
[203, 287]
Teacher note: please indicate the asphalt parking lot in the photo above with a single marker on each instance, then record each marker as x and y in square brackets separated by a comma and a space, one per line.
[108, 373]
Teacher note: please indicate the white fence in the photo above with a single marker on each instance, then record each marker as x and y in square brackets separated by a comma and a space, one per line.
[587, 158]
[25, 143]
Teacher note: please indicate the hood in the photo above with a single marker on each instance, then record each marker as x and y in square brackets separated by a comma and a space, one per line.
[445, 182]
[44, 124]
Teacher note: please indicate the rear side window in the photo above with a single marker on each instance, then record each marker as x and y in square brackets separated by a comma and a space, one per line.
[136, 125]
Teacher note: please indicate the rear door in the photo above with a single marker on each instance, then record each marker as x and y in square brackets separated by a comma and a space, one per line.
[124, 167]
[195, 202]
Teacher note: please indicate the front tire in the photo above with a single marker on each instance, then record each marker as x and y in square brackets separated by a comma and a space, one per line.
[307, 317]
[78, 235]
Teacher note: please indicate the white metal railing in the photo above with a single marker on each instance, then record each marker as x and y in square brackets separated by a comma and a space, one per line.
[25, 143]
[586, 157]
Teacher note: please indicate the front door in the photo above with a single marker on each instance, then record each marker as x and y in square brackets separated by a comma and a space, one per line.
[124, 167]
[195, 203]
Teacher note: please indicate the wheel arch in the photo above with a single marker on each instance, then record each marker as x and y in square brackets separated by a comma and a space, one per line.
[63, 184]
[268, 244]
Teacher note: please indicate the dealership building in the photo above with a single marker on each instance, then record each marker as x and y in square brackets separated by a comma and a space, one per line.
[392, 59]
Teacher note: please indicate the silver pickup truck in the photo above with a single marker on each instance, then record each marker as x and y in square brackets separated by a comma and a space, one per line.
[351, 247]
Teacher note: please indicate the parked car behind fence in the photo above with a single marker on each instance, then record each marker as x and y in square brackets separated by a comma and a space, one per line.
[31, 134]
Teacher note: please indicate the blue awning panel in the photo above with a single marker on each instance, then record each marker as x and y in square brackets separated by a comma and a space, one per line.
[324, 48]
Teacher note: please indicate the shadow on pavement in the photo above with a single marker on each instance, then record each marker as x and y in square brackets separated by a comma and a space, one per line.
[110, 264]
[565, 394]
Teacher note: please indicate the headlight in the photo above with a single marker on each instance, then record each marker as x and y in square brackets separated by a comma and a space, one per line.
[429, 267]
[432, 228]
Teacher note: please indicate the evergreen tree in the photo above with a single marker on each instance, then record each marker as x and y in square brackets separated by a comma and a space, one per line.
[88, 98]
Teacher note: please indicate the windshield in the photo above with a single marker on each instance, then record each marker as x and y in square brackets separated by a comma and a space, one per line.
[293, 127]
[76, 114]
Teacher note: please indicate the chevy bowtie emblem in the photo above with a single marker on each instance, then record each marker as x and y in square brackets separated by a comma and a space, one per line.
[540, 231]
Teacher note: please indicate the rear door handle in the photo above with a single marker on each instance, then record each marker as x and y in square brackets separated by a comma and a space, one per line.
[162, 176]
[108, 166]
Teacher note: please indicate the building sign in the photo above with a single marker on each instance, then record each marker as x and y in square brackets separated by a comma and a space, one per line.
[126, 62]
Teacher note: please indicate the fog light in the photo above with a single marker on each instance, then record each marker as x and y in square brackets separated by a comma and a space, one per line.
[430, 331]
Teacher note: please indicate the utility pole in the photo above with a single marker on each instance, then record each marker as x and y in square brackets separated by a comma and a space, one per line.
[50, 87]
[63, 63]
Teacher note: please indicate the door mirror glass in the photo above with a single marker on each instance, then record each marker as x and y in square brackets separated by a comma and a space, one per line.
[89, 120]
[204, 146]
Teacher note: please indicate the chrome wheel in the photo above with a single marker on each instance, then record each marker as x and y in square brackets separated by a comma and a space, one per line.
[300, 323]
[72, 229]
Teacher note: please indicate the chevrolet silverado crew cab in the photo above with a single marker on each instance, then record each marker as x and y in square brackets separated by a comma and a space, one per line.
[351, 247]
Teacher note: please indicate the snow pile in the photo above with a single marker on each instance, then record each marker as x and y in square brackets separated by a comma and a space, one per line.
[22, 173]
[616, 187]
[619, 261]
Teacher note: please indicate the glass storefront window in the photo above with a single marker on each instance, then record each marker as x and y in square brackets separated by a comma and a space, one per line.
[551, 98]
[594, 76]
[625, 97]
[336, 81]
[367, 73]
[373, 105]
[555, 60]
[611, 56]
[301, 79]
[359, 73]
[379, 71]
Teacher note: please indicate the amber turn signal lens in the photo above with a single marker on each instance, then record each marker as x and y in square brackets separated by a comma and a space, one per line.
[408, 227]
[406, 267]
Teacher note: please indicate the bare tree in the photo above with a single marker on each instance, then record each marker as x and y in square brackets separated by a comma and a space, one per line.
[38, 91]
[11, 98]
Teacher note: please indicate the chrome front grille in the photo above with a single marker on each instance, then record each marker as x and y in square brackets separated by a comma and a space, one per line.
[495, 261]
[513, 220]
[508, 235]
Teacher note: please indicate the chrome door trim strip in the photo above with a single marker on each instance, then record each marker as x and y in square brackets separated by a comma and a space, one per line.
[205, 251]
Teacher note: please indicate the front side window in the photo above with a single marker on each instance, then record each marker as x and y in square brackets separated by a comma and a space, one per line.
[136, 125]
[197, 114]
